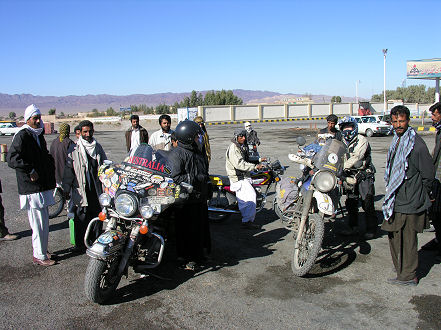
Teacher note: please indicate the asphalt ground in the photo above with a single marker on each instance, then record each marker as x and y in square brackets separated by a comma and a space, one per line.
[248, 284]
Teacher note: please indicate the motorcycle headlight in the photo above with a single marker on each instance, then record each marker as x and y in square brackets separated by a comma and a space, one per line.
[324, 181]
[126, 205]
[146, 211]
[105, 199]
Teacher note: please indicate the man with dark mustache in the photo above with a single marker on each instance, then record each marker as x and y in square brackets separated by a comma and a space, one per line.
[408, 179]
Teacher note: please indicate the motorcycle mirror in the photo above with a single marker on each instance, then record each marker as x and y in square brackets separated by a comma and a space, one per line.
[187, 186]
[301, 140]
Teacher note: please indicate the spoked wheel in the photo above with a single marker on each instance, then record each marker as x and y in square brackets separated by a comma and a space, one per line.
[101, 279]
[55, 210]
[309, 245]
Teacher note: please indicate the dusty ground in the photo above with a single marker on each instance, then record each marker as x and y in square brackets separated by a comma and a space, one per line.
[248, 285]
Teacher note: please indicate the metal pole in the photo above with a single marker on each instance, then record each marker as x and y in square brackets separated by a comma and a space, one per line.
[437, 90]
[356, 91]
[384, 87]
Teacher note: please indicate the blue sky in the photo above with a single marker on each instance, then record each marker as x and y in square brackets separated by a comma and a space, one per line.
[128, 47]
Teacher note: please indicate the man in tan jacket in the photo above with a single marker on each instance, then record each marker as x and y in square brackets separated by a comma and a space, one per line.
[238, 170]
[81, 176]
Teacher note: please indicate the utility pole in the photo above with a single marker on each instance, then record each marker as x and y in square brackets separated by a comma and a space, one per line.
[356, 90]
[384, 87]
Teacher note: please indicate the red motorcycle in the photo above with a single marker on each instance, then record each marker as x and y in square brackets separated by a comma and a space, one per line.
[223, 201]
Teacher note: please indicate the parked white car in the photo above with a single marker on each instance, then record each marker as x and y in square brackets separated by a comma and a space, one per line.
[8, 128]
[373, 124]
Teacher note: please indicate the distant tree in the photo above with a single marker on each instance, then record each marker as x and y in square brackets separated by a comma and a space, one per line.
[12, 115]
[409, 94]
[52, 111]
[162, 109]
[336, 99]
[111, 112]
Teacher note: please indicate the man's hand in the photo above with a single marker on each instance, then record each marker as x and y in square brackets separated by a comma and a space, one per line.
[263, 159]
[34, 176]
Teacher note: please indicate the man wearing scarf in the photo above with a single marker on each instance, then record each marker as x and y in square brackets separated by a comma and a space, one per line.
[238, 169]
[435, 210]
[35, 171]
[408, 179]
[81, 175]
[60, 147]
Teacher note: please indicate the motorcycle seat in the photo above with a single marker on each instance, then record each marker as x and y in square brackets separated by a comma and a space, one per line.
[220, 180]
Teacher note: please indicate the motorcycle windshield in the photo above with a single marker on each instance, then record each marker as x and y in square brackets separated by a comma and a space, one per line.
[146, 158]
[330, 157]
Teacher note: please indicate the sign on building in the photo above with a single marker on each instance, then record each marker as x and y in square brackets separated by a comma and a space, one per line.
[187, 113]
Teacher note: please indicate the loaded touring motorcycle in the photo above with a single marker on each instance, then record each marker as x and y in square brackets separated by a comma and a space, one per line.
[302, 204]
[136, 193]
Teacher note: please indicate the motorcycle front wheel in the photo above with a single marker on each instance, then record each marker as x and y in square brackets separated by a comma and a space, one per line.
[309, 246]
[101, 279]
[55, 210]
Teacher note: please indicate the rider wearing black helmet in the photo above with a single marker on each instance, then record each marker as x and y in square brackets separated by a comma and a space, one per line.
[189, 165]
[359, 162]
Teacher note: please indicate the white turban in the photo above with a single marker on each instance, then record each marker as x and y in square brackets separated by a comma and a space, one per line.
[31, 111]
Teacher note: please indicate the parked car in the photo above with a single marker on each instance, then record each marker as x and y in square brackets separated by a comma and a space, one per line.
[373, 124]
[8, 128]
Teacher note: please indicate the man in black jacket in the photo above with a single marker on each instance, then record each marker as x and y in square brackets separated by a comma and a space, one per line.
[189, 165]
[35, 172]
[409, 177]
[435, 210]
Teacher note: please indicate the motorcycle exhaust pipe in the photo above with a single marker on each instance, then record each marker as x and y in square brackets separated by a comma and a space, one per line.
[215, 209]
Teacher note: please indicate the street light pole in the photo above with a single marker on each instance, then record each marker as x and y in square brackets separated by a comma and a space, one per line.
[356, 90]
[384, 87]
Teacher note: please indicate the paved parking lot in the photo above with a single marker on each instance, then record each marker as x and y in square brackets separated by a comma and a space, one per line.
[248, 285]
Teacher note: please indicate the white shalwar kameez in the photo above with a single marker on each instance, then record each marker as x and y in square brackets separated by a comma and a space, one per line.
[246, 198]
[38, 214]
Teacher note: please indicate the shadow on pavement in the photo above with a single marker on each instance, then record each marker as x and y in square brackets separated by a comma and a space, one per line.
[231, 244]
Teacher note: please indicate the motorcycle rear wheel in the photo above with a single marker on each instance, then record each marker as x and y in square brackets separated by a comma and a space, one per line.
[101, 280]
[309, 245]
[55, 210]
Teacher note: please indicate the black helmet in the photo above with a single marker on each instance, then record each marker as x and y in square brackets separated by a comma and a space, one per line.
[186, 131]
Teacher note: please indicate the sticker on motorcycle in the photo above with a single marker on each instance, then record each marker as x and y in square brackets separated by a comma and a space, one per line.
[333, 158]
[163, 185]
[156, 178]
[151, 192]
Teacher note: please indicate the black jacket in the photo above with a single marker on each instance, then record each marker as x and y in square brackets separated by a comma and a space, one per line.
[189, 165]
[25, 155]
[413, 195]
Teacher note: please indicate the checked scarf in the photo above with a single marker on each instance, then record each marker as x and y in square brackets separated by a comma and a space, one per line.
[399, 150]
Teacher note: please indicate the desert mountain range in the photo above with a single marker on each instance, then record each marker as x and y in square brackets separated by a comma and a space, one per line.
[85, 103]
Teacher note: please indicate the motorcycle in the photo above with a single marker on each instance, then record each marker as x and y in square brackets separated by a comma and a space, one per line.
[135, 195]
[223, 201]
[312, 202]
[60, 201]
